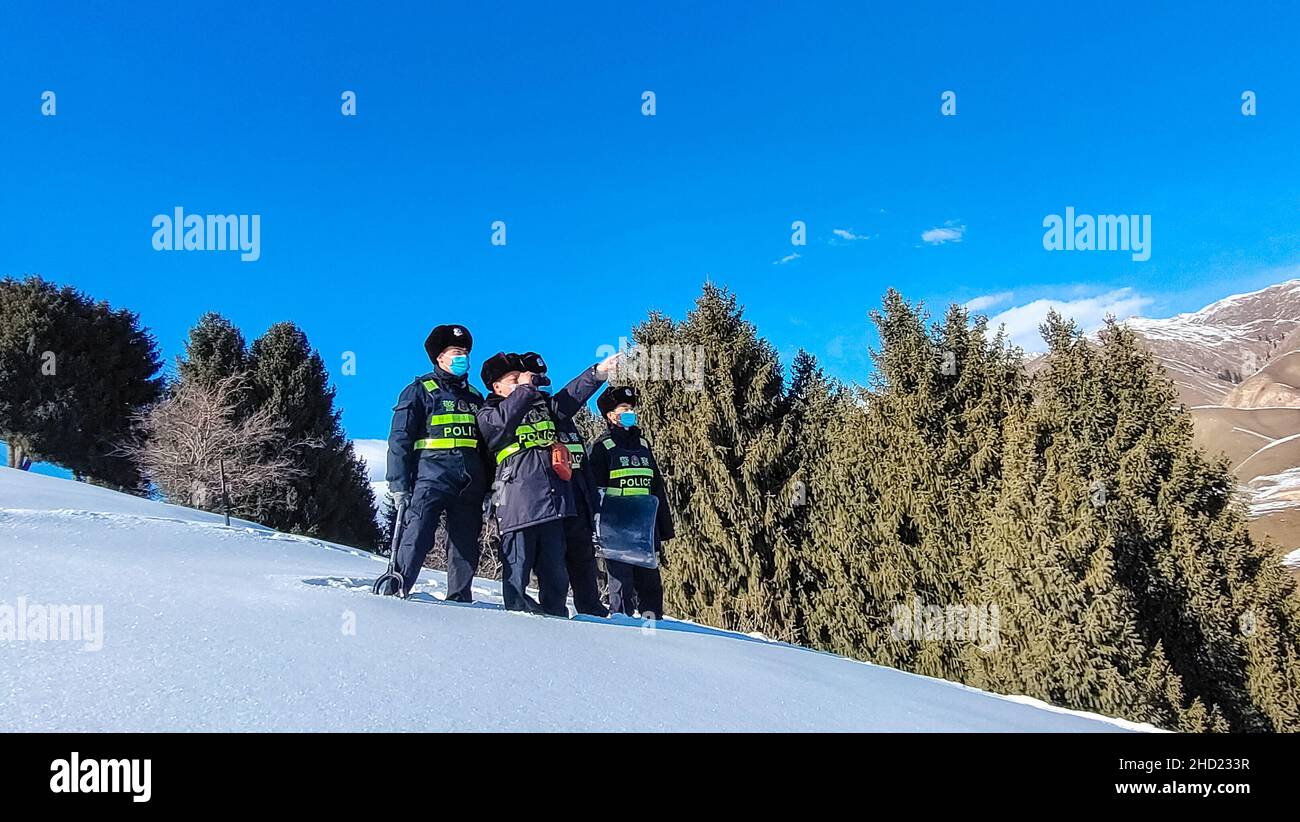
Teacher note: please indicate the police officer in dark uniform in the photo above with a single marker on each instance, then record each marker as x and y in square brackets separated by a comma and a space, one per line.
[532, 493]
[620, 463]
[435, 462]
[579, 547]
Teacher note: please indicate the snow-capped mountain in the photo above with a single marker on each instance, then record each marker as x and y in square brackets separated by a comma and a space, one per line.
[1236, 365]
[1209, 352]
[191, 625]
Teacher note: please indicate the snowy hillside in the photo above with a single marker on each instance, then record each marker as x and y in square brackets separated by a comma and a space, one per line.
[214, 628]
[1211, 350]
[1236, 366]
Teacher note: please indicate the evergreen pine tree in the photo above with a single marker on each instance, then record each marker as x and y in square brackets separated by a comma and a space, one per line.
[73, 372]
[912, 466]
[1128, 581]
[1072, 504]
[589, 425]
[215, 350]
[722, 452]
[810, 409]
[1068, 632]
[333, 500]
[387, 524]
[1217, 601]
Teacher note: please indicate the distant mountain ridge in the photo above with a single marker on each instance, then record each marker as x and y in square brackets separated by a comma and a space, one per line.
[1236, 365]
[1210, 352]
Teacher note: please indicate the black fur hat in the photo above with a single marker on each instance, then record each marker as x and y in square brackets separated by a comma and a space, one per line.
[497, 366]
[616, 395]
[445, 336]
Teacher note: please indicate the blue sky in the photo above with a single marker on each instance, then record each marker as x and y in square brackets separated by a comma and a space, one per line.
[376, 227]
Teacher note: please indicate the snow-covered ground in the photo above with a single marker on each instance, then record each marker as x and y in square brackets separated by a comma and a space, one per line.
[1274, 492]
[206, 627]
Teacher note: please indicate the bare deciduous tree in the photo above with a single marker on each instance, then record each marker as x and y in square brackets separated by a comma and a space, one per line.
[181, 442]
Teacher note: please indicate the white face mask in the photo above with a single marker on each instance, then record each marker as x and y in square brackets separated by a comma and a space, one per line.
[506, 386]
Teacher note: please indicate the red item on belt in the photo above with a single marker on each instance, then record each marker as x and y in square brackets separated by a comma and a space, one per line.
[560, 461]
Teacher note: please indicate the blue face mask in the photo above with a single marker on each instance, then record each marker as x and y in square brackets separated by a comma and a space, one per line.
[627, 419]
[459, 365]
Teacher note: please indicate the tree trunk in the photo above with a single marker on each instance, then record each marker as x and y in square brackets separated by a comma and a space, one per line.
[18, 456]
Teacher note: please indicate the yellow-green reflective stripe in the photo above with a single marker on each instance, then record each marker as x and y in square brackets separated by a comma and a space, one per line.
[575, 447]
[444, 419]
[430, 386]
[544, 425]
[627, 492]
[522, 430]
[445, 442]
[515, 448]
[631, 472]
[507, 451]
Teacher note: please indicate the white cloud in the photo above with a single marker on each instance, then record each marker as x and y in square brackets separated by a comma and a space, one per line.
[1090, 313]
[787, 259]
[949, 232]
[988, 300]
[849, 235]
